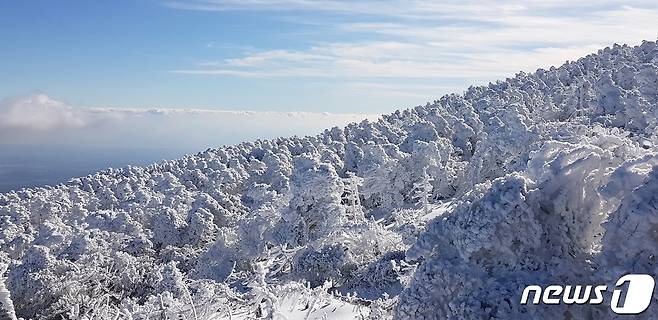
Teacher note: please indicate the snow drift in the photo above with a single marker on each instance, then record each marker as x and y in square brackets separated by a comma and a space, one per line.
[446, 210]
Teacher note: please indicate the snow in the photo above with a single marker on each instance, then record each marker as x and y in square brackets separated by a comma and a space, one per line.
[332, 309]
[297, 308]
[437, 211]
[6, 305]
[440, 211]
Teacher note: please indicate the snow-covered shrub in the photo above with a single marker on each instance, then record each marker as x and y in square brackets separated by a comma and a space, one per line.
[380, 278]
[168, 228]
[201, 228]
[316, 199]
[514, 231]
[331, 263]
[6, 305]
[545, 177]
[630, 242]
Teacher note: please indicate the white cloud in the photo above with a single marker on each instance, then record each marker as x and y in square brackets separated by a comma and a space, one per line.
[38, 119]
[471, 41]
[38, 113]
[472, 9]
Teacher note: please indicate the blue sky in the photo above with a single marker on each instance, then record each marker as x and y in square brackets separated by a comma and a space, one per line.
[294, 55]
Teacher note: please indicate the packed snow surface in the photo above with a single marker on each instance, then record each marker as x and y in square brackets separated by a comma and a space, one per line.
[442, 211]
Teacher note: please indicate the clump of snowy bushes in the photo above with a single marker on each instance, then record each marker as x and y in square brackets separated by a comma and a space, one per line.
[550, 176]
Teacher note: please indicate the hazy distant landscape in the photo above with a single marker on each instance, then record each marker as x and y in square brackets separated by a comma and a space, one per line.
[23, 166]
[46, 141]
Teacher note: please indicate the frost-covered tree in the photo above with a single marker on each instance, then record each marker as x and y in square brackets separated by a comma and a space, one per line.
[546, 175]
[315, 204]
[351, 198]
[6, 305]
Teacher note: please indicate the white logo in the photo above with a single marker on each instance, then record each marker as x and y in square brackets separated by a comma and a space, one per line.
[637, 295]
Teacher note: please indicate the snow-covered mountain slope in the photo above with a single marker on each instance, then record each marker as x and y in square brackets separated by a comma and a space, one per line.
[544, 178]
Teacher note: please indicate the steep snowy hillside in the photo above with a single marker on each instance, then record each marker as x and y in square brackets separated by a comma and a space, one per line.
[441, 211]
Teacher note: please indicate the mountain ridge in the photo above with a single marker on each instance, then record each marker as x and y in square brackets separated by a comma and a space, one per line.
[542, 173]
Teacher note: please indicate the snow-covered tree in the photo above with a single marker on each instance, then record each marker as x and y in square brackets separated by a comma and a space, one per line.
[423, 191]
[546, 175]
[6, 305]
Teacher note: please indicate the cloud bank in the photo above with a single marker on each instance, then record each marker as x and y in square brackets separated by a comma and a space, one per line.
[39, 119]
